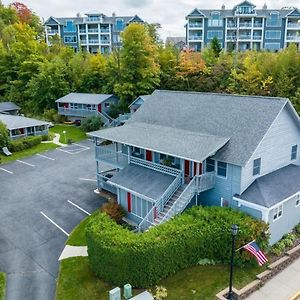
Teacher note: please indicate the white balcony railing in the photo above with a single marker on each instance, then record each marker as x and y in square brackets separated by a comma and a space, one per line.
[93, 30]
[82, 30]
[52, 31]
[195, 25]
[245, 24]
[295, 38]
[293, 25]
[94, 42]
[195, 37]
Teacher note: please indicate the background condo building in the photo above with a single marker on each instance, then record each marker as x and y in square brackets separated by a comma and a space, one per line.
[95, 32]
[244, 27]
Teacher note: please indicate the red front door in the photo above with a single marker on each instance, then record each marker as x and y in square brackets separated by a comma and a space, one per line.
[99, 108]
[187, 167]
[128, 202]
[148, 155]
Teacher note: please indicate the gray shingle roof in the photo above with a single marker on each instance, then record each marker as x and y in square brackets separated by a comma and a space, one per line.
[15, 122]
[274, 187]
[171, 141]
[84, 98]
[259, 12]
[8, 106]
[196, 124]
[144, 181]
[221, 115]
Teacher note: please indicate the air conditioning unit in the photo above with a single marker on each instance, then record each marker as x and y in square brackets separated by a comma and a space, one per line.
[115, 294]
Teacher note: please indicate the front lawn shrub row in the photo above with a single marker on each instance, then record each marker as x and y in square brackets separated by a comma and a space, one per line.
[24, 143]
[143, 259]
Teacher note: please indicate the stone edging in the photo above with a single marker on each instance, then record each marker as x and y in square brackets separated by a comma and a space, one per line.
[272, 270]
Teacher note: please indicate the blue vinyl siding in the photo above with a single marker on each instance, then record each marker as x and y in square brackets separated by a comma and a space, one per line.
[225, 188]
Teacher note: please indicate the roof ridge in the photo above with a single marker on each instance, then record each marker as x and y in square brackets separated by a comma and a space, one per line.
[223, 94]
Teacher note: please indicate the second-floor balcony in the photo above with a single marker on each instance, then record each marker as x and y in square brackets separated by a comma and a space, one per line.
[93, 30]
[76, 112]
[244, 36]
[295, 38]
[245, 24]
[94, 42]
[257, 37]
[120, 160]
[293, 25]
[82, 30]
[52, 31]
[195, 25]
[105, 42]
[257, 24]
[195, 37]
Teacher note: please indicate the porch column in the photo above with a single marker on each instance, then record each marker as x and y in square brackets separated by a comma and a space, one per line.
[182, 169]
[128, 152]
[97, 172]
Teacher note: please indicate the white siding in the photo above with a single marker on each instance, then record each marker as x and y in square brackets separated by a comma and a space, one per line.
[275, 149]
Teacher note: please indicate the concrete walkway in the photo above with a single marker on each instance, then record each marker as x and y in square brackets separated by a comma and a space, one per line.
[281, 287]
[55, 141]
[73, 251]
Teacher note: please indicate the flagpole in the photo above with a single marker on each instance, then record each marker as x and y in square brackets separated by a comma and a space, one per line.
[244, 246]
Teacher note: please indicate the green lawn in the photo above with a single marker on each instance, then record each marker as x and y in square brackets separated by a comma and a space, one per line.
[72, 132]
[77, 282]
[77, 236]
[2, 286]
[28, 152]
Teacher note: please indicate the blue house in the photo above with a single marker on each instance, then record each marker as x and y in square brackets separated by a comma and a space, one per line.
[20, 127]
[80, 105]
[182, 148]
[244, 27]
[137, 103]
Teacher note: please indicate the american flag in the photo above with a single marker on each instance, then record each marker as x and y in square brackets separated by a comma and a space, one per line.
[254, 249]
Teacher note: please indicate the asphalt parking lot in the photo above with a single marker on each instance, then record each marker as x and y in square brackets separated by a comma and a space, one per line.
[42, 199]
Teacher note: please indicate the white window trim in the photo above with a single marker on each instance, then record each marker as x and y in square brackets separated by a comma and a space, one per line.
[205, 166]
[258, 174]
[272, 38]
[70, 36]
[295, 152]
[220, 176]
[277, 208]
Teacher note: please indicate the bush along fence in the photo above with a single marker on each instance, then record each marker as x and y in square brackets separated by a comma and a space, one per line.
[120, 256]
[26, 143]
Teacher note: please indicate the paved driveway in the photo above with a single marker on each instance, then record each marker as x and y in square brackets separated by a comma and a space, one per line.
[40, 200]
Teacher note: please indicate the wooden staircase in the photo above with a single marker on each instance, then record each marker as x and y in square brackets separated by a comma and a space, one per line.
[169, 204]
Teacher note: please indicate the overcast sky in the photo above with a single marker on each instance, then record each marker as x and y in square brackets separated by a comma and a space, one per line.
[169, 13]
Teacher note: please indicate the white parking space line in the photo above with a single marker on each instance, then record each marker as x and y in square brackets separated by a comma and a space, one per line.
[25, 163]
[87, 179]
[45, 156]
[54, 223]
[9, 172]
[72, 203]
[86, 147]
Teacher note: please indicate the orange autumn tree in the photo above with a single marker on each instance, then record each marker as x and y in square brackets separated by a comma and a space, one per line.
[191, 65]
[24, 13]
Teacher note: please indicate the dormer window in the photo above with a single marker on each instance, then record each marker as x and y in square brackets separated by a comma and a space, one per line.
[245, 10]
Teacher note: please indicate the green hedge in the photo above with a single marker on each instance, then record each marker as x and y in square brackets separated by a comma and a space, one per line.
[24, 143]
[120, 256]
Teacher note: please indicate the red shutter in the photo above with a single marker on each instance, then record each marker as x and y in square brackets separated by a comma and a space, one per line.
[148, 155]
[195, 169]
[99, 108]
[187, 167]
[128, 202]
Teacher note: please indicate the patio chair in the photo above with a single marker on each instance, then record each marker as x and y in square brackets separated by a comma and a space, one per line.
[6, 151]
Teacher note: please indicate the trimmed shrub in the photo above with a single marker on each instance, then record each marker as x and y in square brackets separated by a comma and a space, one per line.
[114, 210]
[52, 116]
[24, 143]
[92, 123]
[4, 136]
[143, 259]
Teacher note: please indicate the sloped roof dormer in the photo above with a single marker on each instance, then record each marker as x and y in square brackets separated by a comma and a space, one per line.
[196, 13]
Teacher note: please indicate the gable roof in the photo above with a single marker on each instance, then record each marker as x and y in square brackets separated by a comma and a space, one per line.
[15, 122]
[274, 187]
[196, 13]
[244, 3]
[8, 106]
[295, 12]
[136, 18]
[141, 98]
[53, 19]
[84, 98]
[221, 115]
